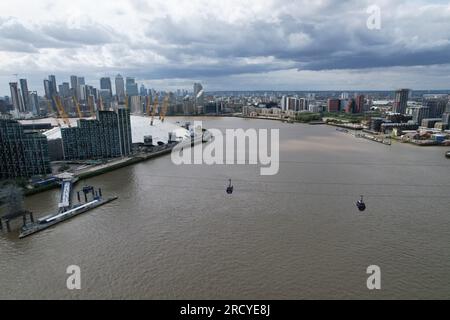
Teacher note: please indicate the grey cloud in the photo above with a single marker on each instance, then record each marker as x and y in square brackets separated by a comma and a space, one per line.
[15, 36]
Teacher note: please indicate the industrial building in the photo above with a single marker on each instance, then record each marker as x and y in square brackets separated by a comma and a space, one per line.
[108, 136]
[23, 154]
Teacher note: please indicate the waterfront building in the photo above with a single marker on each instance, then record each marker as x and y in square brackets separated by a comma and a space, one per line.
[419, 113]
[401, 101]
[108, 136]
[333, 105]
[359, 103]
[23, 154]
[436, 105]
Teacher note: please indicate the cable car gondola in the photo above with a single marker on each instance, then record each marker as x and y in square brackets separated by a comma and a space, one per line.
[361, 205]
[230, 188]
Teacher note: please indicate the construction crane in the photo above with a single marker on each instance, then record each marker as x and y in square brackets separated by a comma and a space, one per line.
[155, 104]
[162, 113]
[61, 111]
[77, 106]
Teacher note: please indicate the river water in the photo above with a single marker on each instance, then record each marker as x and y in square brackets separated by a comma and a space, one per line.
[175, 234]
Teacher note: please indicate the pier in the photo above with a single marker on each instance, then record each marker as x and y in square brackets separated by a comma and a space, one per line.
[6, 219]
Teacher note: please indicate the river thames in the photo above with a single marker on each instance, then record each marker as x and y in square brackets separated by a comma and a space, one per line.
[174, 233]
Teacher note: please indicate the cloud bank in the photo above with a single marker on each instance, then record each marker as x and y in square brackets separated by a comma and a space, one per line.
[229, 44]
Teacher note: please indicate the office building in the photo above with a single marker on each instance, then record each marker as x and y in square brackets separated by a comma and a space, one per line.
[131, 87]
[105, 84]
[120, 88]
[23, 154]
[64, 90]
[108, 136]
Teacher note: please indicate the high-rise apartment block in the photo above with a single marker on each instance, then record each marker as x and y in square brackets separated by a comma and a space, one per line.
[23, 154]
[108, 136]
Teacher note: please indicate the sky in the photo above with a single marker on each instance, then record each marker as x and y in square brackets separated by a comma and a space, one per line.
[229, 44]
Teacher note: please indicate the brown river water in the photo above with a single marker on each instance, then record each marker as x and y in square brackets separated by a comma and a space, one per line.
[174, 233]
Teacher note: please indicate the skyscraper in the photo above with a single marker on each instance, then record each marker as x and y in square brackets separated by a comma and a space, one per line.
[143, 91]
[120, 88]
[25, 95]
[75, 86]
[105, 84]
[53, 85]
[359, 103]
[132, 87]
[64, 89]
[15, 97]
[400, 101]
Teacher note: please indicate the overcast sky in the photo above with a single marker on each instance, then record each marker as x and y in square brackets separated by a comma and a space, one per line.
[228, 44]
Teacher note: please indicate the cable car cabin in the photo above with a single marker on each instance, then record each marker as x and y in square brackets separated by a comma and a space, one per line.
[361, 205]
[230, 188]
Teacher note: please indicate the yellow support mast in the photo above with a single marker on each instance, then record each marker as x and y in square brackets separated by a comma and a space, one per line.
[91, 106]
[155, 104]
[126, 101]
[50, 111]
[61, 111]
[77, 106]
[162, 113]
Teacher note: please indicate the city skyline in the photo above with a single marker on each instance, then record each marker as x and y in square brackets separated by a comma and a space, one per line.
[226, 45]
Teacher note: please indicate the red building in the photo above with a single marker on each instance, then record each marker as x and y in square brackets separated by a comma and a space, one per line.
[359, 103]
[333, 105]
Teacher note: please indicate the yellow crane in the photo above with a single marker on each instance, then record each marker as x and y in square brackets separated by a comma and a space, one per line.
[50, 111]
[162, 113]
[126, 101]
[61, 111]
[148, 106]
[77, 106]
[155, 104]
